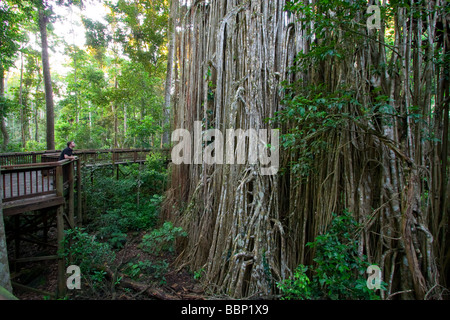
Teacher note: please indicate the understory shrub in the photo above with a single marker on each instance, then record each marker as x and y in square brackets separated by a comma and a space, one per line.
[338, 272]
[148, 270]
[90, 255]
[162, 239]
[130, 203]
[115, 223]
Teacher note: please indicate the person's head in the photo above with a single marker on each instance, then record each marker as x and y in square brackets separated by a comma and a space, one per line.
[71, 144]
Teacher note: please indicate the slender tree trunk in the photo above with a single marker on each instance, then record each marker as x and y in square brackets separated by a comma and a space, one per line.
[169, 76]
[47, 82]
[2, 115]
[22, 107]
[114, 111]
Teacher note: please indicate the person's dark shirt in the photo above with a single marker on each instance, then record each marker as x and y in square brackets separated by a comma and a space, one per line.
[67, 151]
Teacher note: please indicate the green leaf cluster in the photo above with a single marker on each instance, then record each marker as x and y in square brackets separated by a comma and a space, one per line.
[131, 203]
[317, 114]
[92, 256]
[147, 269]
[338, 272]
[162, 239]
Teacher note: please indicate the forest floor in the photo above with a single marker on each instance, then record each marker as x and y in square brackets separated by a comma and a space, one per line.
[171, 283]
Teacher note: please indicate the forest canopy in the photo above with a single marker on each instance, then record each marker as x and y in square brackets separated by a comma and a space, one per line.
[108, 90]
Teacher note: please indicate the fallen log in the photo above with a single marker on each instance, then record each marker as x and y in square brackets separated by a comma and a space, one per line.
[152, 292]
[137, 286]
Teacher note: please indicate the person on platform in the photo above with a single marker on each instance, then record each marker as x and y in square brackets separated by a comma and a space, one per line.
[67, 152]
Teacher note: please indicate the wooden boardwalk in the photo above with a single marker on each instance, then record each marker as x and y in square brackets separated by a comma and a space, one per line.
[36, 182]
[34, 174]
[26, 183]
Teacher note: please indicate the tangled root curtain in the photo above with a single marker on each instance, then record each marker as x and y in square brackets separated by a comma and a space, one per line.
[363, 119]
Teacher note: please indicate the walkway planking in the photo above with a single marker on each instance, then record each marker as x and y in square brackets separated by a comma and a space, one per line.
[24, 179]
[37, 180]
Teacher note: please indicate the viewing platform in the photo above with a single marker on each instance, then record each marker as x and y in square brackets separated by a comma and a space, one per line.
[45, 189]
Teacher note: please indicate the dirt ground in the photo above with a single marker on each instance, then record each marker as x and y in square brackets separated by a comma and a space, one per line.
[42, 277]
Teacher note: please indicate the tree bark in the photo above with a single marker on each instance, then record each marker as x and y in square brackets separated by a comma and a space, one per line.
[47, 82]
[249, 231]
[2, 115]
[169, 75]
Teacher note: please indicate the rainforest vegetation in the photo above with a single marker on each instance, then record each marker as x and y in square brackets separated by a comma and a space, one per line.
[357, 89]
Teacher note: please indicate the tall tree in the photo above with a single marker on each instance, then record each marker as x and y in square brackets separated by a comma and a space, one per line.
[10, 37]
[169, 73]
[44, 11]
[4, 108]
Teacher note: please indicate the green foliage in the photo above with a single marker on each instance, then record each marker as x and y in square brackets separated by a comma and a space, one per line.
[297, 288]
[317, 114]
[338, 272]
[149, 23]
[115, 222]
[85, 251]
[117, 240]
[319, 109]
[33, 145]
[154, 178]
[10, 33]
[131, 203]
[199, 273]
[91, 256]
[148, 270]
[113, 93]
[162, 239]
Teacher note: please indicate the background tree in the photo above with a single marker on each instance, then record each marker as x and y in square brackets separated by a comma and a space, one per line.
[44, 12]
[10, 37]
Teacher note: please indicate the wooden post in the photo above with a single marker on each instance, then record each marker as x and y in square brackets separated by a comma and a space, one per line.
[61, 290]
[45, 222]
[113, 162]
[71, 179]
[16, 238]
[61, 261]
[79, 209]
[5, 280]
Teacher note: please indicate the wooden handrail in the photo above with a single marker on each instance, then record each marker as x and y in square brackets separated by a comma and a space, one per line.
[26, 179]
[34, 179]
[39, 165]
[14, 158]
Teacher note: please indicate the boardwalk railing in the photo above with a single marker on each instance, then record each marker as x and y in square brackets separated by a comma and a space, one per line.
[35, 179]
[87, 157]
[12, 158]
[28, 180]
[27, 187]
[36, 186]
[114, 156]
[29, 175]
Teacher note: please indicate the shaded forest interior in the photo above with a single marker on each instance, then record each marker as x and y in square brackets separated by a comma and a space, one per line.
[358, 91]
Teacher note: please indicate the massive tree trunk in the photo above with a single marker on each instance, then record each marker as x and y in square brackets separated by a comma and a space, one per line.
[249, 230]
[232, 57]
[47, 81]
